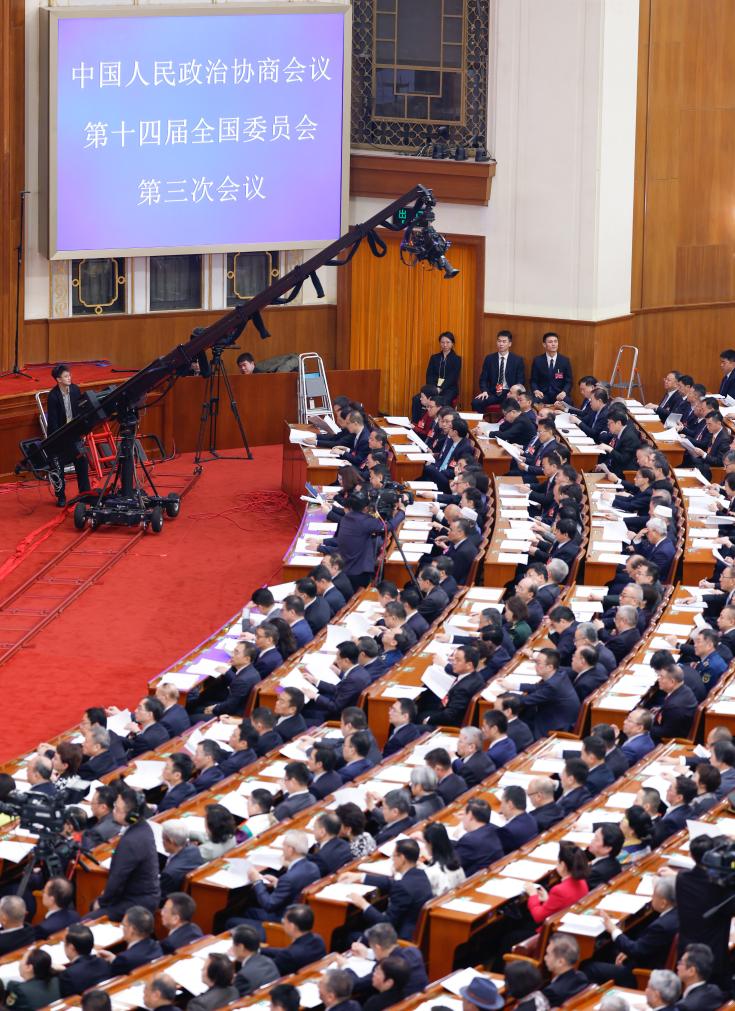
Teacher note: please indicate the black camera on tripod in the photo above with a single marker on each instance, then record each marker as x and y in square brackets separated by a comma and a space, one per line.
[719, 863]
[385, 500]
[38, 812]
[45, 816]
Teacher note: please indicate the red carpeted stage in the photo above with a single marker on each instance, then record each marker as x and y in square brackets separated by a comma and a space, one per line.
[162, 598]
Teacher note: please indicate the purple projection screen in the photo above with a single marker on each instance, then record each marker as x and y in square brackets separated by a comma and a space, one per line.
[188, 131]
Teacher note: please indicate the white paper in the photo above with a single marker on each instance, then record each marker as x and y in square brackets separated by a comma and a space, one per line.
[623, 902]
[588, 926]
[340, 892]
[512, 559]
[502, 888]
[14, 851]
[467, 906]
[188, 974]
[437, 680]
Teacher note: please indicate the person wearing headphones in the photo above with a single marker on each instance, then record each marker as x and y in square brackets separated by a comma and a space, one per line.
[133, 876]
[61, 407]
[356, 540]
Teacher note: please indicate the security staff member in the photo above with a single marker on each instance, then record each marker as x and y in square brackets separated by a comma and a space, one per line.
[61, 407]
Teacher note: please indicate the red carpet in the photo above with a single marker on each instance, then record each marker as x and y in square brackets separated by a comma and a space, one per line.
[170, 592]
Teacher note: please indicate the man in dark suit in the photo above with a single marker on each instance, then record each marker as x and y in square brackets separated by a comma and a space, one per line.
[447, 582]
[674, 718]
[98, 758]
[356, 540]
[520, 827]
[594, 426]
[586, 673]
[647, 949]
[326, 590]
[672, 400]
[562, 954]
[599, 773]
[624, 442]
[510, 706]
[183, 856]
[357, 448]
[256, 969]
[242, 740]
[175, 717]
[355, 753]
[461, 549]
[61, 407]
[177, 772]
[297, 797]
[322, 763]
[207, 757]
[657, 547]
[406, 894]
[449, 784]
[402, 717]
[480, 845]
[269, 657]
[694, 969]
[15, 932]
[293, 610]
[552, 699]
[57, 899]
[287, 708]
[450, 710]
[606, 844]
[151, 731]
[500, 371]
[84, 970]
[574, 792]
[551, 373]
[501, 748]
[318, 611]
[177, 914]
[727, 365]
[563, 626]
[626, 634]
[435, 599]
[331, 851]
[696, 895]
[472, 764]
[530, 465]
[711, 452]
[391, 816]
[515, 426]
[457, 443]
[231, 691]
[142, 947]
[132, 879]
[304, 945]
[329, 700]
[638, 743]
[544, 809]
[679, 797]
[286, 887]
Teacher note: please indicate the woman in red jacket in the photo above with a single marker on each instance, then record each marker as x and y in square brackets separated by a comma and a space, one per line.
[572, 869]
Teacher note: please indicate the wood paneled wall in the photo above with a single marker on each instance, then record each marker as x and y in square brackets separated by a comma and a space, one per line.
[12, 168]
[391, 316]
[133, 341]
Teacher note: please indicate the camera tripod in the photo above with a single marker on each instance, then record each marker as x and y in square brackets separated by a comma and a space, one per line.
[210, 413]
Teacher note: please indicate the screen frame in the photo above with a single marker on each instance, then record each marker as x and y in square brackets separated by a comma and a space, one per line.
[48, 127]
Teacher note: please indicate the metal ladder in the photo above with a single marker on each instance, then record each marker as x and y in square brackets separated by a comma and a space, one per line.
[634, 381]
[314, 399]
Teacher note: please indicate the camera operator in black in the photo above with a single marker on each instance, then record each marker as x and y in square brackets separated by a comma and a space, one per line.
[699, 894]
[356, 541]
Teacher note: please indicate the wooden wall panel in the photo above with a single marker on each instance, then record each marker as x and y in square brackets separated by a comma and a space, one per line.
[391, 316]
[133, 341]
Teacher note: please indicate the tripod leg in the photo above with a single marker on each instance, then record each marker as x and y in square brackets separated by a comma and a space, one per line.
[203, 419]
[236, 413]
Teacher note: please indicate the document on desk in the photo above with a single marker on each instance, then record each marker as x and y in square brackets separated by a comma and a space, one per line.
[130, 997]
[299, 438]
[467, 906]
[511, 558]
[623, 902]
[236, 803]
[11, 971]
[503, 888]
[13, 851]
[585, 924]
[398, 691]
[339, 892]
[234, 874]
[309, 994]
[459, 980]
[188, 974]
[206, 666]
[400, 421]
[528, 870]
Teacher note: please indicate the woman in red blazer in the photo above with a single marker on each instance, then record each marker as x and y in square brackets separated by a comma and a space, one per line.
[572, 869]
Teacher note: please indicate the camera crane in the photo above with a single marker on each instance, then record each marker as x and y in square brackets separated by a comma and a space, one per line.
[124, 501]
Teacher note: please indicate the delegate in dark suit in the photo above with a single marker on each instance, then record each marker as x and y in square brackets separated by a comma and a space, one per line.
[325, 784]
[11, 940]
[433, 604]
[333, 699]
[137, 954]
[462, 556]
[479, 848]
[32, 993]
[696, 894]
[402, 736]
[636, 747]
[184, 934]
[133, 875]
[406, 897]
[59, 920]
[564, 987]
[551, 382]
[293, 804]
[704, 997]
[257, 970]
[556, 704]
[83, 973]
[455, 704]
[177, 867]
[272, 905]
[335, 853]
[515, 374]
[175, 796]
[319, 613]
[148, 739]
[674, 718]
[451, 787]
[623, 451]
[517, 832]
[448, 370]
[602, 870]
[520, 432]
[176, 720]
[55, 419]
[474, 768]
[240, 685]
[300, 952]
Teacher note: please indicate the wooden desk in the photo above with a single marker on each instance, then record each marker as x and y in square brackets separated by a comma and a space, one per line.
[301, 465]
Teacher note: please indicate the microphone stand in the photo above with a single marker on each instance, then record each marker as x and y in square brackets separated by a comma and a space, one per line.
[16, 370]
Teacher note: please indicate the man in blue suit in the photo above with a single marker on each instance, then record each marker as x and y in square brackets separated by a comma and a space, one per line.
[520, 827]
[331, 851]
[574, 793]
[563, 625]
[175, 717]
[274, 893]
[500, 371]
[355, 751]
[183, 856]
[594, 426]
[551, 373]
[326, 590]
[727, 364]
[232, 690]
[207, 756]
[317, 612]
[58, 901]
[443, 470]
[293, 614]
[177, 772]
[269, 658]
[480, 846]
[296, 793]
[242, 740]
[304, 945]
[356, 540]
[142, 947]
[358, 447]
[406, 894]
[600, 775]
[657, 547]
[501, 748]
[329, 700]
[288, 706]
[402, 717]
[636, 727]
[679, 797]
[554, 700]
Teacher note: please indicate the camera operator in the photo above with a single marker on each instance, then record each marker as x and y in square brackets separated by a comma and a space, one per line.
[356, 541]
[697, 894]
[133, 876]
